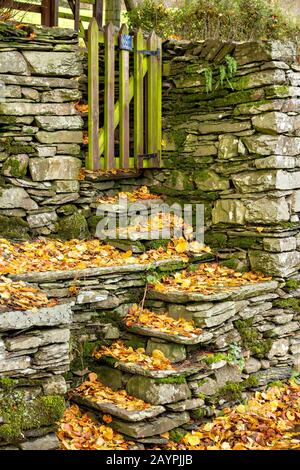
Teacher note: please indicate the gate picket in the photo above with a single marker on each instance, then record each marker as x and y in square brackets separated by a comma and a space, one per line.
[124, 103]
[146, 125]
[109, 97]
[93, 162]
[138, 96]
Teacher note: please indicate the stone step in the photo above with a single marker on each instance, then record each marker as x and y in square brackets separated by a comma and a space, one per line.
[151, 427]
[229, 293]
[119, 412]
[136, 369]
[172, 338]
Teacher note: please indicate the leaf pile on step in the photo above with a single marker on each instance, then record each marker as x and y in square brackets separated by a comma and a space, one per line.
[161, 322]
[207, 279]
[20, 296]
[141, 193]
[95, 174]
[266, 422]
[118, 350]
[94, 390]
[161, 225]
[51, 255]
[78, 431]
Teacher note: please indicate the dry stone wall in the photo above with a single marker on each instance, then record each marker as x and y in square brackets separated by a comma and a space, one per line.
[236, 148]
[40, 132]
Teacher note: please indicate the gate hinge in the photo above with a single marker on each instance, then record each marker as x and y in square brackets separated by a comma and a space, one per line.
[147, 52]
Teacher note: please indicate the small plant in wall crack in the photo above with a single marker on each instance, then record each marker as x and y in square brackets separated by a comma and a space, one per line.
[225, 74]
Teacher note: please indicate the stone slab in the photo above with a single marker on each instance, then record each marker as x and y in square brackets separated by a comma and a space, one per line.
[49, 316]
[152, 427]
[122, 413]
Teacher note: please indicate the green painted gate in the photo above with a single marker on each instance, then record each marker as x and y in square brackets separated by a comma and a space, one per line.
[132, 70]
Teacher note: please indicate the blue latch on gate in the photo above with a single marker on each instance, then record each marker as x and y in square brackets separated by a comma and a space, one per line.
[125, 42]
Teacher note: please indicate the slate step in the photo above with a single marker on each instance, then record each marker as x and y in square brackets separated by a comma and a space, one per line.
[171, 338]
[229, 293]
[157, 374]
[151, 427]
[122, 413]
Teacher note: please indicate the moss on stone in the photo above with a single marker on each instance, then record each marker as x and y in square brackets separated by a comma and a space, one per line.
[217, 357]
[171, 380]
[292, 284]
[73, 226]
[14, 228]
[21, 414]
[19, 148]
[6, 382]
[216, 239]
[275, 383]
[172, 266]
[244, 242]
[13, 166]
[231, 263]
[177, 434]
[198, 413]
[232, 391]
[155, 244]
[292, 304]
[252, 339]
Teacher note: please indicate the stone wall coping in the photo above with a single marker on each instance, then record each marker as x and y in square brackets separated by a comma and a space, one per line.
[90, 272]
[60, 314]
[233, 293]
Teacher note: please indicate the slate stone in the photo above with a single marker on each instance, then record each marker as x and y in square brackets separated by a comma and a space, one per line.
[16, 198]
[118, 411]
[56, 168]
[156, 393]
[48, 316]
[59, 136]
[152, 427]
[13, 62]
[65, 64]
[54, 123]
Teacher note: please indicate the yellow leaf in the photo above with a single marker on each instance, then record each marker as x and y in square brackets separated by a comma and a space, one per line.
[181, 245]
[192, 440]
[157, 354]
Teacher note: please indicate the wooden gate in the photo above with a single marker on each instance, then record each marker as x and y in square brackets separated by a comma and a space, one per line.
[138, 77]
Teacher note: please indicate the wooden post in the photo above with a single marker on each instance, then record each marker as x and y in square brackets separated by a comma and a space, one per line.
[49, 12]
[109, 97]
[138, 96]
[159, 99]
[98, 12]
[152, 98]
[76, 14]
[124, 103]
[93, 162]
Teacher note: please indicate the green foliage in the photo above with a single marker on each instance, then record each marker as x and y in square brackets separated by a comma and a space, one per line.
[232, 391]
[217, 357]
[177, 434]
[171, 380]
[292, 304]
[292, 284]
[21, 414]
[208, 74]
[252, 339]
[235, 356]
[220, 19]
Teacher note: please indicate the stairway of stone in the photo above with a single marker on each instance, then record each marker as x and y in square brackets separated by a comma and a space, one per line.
[185, 358]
